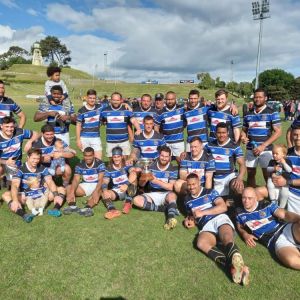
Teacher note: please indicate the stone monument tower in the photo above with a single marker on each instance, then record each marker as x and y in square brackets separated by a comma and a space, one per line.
[37, 58]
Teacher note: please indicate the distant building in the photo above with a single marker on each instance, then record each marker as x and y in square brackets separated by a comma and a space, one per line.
[37, 59]
[149, 81]
[186, 81]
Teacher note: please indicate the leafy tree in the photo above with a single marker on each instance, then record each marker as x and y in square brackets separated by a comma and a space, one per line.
[206, 81]
[295, 90]
[14, 55]
[220, 84]
[53, 51]
[245, 89]
[232, 86]
[277, 82]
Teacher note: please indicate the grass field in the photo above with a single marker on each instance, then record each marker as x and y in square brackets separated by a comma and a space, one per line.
[131, 257]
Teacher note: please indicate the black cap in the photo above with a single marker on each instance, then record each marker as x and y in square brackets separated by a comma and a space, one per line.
[159, 96]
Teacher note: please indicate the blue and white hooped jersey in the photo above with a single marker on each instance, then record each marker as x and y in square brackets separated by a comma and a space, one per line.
[90, 174]
[225, 157]
[196, 121]
[116, 121]
[260, 126]
[12, 148]
[139, 114]
[46, 149]
[216, 116]
[116, 176]
[8, 107]
[170, 173]
[261, 221]
[24, 174]
[205, 200]
[148, 146]
[90, 121]
[61, 109]
[295, 174]
[205, 164]
[171, 124]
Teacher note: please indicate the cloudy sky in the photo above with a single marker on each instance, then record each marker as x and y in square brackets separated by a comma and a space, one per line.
[165, 40]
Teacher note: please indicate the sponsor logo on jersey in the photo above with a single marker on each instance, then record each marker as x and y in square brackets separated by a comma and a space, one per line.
[262, 214]
[296, 169]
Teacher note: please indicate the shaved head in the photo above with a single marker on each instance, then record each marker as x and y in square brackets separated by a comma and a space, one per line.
[249, 198]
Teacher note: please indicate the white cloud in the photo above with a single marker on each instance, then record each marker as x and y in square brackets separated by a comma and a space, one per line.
[32, 12]
[9, 3]
[22, 38]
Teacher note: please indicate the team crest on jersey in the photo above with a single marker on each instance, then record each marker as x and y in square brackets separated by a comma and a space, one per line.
[205, 199]
[264, 118]
[262, 214]
[17, 140]
[227, 151]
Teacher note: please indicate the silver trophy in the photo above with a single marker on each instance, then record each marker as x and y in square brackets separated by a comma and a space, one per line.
[144, 164]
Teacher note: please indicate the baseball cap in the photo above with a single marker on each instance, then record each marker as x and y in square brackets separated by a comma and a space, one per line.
[159, 96]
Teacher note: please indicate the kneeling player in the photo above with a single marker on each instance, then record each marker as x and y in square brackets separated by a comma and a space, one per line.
[91, 169]
[206, 209]
[262, 221]
[160, 183]
[121, 177]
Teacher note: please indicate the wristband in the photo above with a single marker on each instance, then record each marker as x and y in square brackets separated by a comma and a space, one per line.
[55, 193]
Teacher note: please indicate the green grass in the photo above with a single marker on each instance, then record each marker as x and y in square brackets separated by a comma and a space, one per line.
[130, 257]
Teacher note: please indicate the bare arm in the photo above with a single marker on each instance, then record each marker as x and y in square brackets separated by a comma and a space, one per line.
[242, 168]
[134, 154]
[237, 134]
[136, 124]
[22, 117]
[287, 216]
[78, 131]
[219, 208]
[33, 138]
[165, 185]
[247, 237]
[183, 174]
[15, 184]
[209, 180]
[41, 116]
[74, 185]
[289, 138]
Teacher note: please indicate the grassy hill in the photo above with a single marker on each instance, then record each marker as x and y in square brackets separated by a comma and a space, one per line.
[29, 79]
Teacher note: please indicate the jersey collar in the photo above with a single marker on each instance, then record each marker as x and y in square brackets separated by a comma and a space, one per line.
[152, 133]
[261, 110]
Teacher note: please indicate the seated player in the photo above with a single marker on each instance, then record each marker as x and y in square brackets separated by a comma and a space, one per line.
[207, 209]
[274, 227]
[117, 182]
[11, 140]
[198, 161]
[20, 191]
[159, 184]
[225, 153]
[91, 170]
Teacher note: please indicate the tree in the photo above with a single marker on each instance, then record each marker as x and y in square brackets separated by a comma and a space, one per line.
[14, 55]
[295, 90]
[277, 82]
[220, 84]
[245, 89]
[232, 86]
[206, 81]
[54, 51]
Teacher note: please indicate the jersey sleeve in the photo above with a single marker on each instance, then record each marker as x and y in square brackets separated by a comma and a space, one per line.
[101, 168]
[238, 152]
[276, 119]
[27, 134]
[210, 164]
[236, 121]
[77, 170]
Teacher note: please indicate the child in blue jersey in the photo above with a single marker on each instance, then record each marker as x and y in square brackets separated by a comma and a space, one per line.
[279, 165]
[57, 162]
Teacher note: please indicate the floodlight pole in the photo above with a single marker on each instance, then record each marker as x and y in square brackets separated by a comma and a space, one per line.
[260, 11]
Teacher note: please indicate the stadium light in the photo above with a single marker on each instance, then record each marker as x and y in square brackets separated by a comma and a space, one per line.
[260, 11]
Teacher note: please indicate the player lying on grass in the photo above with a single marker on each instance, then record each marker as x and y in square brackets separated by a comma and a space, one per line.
[274, 227]
[206, 209]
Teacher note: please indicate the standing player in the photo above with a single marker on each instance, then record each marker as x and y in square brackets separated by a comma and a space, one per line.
[144, 109]
[221, 113]
[198, 161]
[159, 184]
[207, 210]
[91, 170]
[8, 107]
[88, 125]
[117, 118]
[196, 119]
[58, 112]
[261, 128]
[225, 153]
[170, 122]
[267, 223]
[146, 144]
